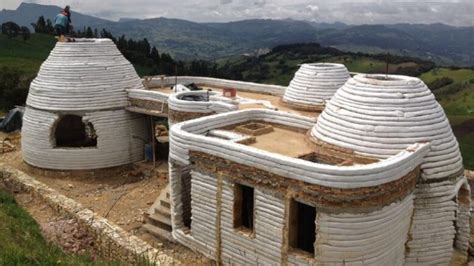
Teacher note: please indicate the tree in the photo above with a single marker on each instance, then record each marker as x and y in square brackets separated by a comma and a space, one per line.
[10, 29]
[25, 33]
[40, 26]
[89, 33]
[13, 87]
[155, 56]
[49, 27]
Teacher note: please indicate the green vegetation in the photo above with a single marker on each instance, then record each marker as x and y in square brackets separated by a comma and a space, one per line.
[456, 98]
[21, 242]
[279, 66]
[25, 55]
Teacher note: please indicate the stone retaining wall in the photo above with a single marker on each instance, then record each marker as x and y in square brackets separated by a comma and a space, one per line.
[111, 241]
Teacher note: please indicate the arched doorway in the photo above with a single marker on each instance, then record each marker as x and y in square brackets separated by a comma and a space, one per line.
[71, 131]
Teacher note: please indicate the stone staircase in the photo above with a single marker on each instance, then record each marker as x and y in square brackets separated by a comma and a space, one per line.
[158, 217]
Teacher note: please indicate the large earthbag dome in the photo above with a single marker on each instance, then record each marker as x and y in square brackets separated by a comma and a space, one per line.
[314, 84]
[378, 115]
[75, 116]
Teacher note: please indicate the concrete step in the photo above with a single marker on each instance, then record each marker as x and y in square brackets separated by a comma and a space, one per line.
[160, 221]
[165, 203]
[163, 211]
[158, 232]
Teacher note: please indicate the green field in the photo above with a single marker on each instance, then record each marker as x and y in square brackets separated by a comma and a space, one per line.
[21, 242]
[25, 55]
[458, 97]
[28, 55]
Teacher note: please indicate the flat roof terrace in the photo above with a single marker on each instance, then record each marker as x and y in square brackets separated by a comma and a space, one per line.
[274, 100]
[292, 142]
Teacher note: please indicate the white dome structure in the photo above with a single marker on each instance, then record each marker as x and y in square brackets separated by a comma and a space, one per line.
[75, 116]
[314, 84]
[379, 116]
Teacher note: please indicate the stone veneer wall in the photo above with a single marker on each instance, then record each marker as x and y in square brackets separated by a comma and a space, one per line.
[212, 195]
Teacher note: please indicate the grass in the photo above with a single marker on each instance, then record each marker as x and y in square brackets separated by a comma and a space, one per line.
[25, 55]
[463, 126]
[466, 145]
[458, 97]
[21, 242]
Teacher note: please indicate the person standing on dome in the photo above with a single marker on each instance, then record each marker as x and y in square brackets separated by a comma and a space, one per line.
[61, 23]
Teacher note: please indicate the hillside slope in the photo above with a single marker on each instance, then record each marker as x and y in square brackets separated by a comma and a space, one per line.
[28, 13]
[443, 44]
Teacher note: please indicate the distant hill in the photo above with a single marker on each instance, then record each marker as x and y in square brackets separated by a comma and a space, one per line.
[28, 13]
[443, 44]
[437, 42]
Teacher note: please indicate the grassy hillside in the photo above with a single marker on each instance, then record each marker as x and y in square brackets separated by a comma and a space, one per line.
[457, 98]
[21, 242]
[279, 66]
[26, 56]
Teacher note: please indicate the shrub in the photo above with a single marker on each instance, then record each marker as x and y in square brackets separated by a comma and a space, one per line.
[439, 83]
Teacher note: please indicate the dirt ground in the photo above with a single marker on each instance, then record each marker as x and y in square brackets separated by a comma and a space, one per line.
[122, 197]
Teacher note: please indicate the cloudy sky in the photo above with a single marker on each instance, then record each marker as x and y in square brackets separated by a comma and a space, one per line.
[453, 12]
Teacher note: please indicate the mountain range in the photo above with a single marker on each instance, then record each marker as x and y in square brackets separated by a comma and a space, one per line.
[443, 44]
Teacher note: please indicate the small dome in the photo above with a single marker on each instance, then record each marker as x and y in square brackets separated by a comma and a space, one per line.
[381, 115]
[89, 74]
[313, 84]
[75, 117]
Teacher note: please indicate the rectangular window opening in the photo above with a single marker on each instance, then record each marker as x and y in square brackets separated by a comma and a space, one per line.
[186, 199]
[302, 227]
[244, 207]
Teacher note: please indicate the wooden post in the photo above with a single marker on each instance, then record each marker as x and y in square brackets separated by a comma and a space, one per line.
[153, 141]
[175, 75]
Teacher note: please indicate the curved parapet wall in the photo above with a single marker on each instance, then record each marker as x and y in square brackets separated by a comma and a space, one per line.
[82, 87]
[89, 74]
[314, 84]
[181, 109]
[219, 83]
[379, 116]
[356, 213]
[187, 136]
[375, 116]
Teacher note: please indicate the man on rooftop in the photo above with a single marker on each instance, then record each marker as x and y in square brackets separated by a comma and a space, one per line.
[61, 23]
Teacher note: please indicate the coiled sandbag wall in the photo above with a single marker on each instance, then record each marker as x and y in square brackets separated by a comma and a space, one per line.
[87, 78]
[379, 116]
[314, 84]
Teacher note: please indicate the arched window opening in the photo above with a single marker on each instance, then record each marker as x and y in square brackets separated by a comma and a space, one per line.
[71, 131]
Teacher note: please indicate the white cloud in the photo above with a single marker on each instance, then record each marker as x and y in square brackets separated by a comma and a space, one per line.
[312, 8]
[454, 12]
